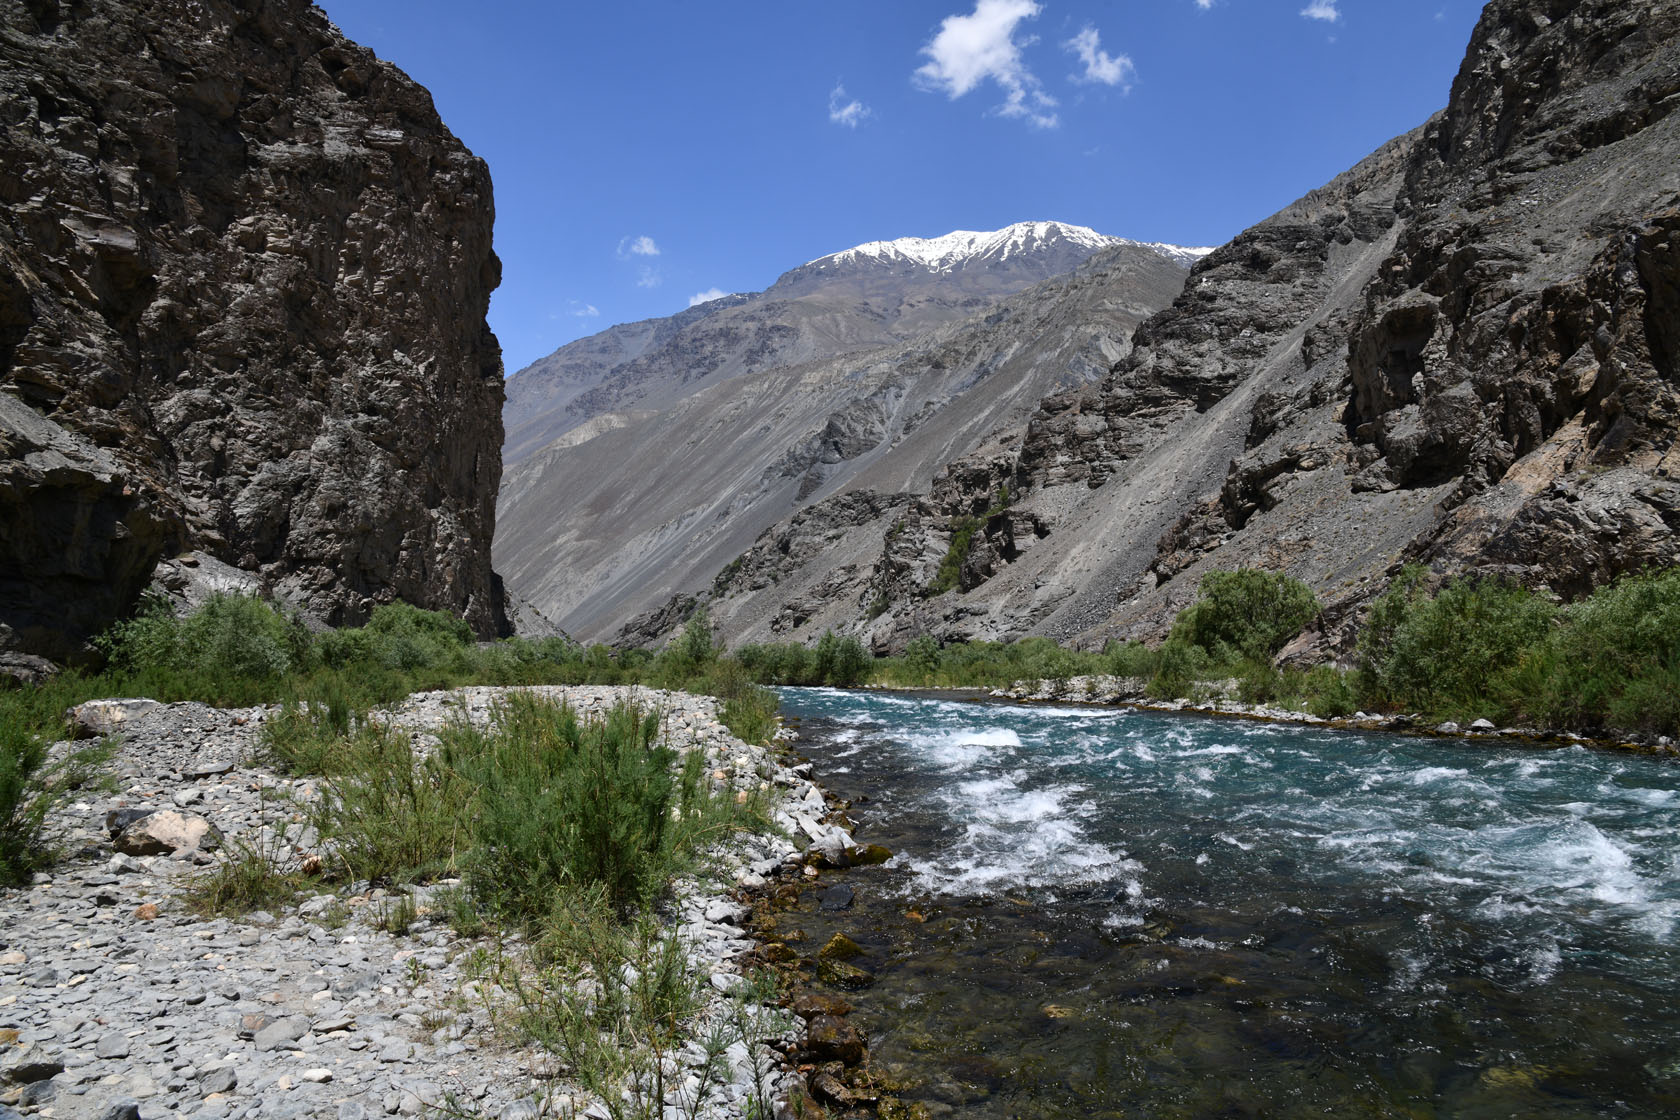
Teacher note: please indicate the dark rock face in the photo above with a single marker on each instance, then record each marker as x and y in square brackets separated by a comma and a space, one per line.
[244, 271]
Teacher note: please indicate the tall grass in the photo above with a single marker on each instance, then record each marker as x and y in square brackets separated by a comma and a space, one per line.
[31, 786]
[563, 802]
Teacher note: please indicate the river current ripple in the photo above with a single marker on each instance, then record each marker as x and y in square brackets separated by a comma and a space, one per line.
[1126, 913]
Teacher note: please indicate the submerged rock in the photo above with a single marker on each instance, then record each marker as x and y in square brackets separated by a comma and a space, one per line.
[828, 1038]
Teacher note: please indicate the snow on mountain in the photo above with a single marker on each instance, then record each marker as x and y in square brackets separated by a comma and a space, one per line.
[961, 248]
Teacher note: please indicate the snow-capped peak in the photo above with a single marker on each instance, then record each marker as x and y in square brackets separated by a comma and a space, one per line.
[961, 247]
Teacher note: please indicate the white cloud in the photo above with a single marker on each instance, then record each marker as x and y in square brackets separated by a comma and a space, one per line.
[706, 296]
[1322, 9]
[1100, 66]
[586, 311]
[971, 49]
[643, 246]
[849, 113]
[649, 278]
[1204, 5]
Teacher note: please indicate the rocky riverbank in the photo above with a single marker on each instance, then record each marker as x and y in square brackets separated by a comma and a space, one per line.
[1221, 700]
[118, 999]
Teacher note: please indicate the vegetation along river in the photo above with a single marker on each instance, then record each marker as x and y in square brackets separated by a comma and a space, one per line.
[1098, 912]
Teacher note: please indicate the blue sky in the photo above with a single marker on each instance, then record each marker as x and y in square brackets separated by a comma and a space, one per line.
[647, 152]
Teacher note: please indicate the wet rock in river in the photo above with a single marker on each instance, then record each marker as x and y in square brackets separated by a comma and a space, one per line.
[840, 948]
[837, 897]
[843, 975]
[831, 1039]
[830, 1088]
[869, 855]
[808, 1005]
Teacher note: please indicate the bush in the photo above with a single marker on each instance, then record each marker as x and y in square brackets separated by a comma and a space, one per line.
[751, 717]
[851, 664]
[560, 802]
[391, 815]
[31, 786]
[1328, 693]
[229, 649]
[949, 575]
[1450, 655]
[1131, 659]
[922, 654]
[405, 637]
[1178, 665]
[24, 801]
[1245, 613]
[1614, 661]
[1389, 611]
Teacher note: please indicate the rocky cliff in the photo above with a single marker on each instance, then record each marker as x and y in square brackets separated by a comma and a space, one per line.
[1462, 351]
[244, 270]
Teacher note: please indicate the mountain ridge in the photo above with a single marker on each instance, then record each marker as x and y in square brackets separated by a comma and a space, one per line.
[738, 451]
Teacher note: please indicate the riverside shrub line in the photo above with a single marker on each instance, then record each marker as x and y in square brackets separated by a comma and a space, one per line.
[1476, 647]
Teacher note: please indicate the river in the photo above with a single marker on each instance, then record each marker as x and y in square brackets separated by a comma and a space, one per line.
[1102, 912]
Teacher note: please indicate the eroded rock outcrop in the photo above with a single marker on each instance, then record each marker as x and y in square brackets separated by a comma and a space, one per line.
[244, 271]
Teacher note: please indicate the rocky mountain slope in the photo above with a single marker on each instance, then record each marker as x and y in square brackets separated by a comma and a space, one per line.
[1463, 351]
[633, 506]
[860, 299]
[212, 218]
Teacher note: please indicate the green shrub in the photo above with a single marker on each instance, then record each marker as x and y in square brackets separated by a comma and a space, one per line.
[1329, 693]
[695, 645]
[949, 575]
[822, 661]
[229, 649]
[922, 654]
[1614, 661]
[25, 800]
[783, 663]
[851, 664]
[751, 716]
[406, 637]
[1389, 611]
[31, 787]
[1178, 665]
[1131, 659]
[1450, 655]
[248, 876]
[1245, 613]
[1258, 682]
[561, 802]
[391, 815]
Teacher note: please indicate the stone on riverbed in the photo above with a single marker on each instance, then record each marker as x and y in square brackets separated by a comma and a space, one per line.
[167, 831]
[808, 1005]
[843, 975]
[828, 1039]
[107, 717]
[840, 948]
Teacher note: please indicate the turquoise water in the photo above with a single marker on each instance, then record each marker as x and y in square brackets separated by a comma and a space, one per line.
[1102, 912]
